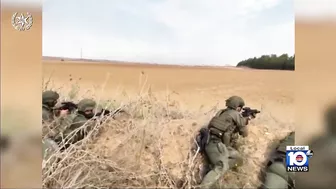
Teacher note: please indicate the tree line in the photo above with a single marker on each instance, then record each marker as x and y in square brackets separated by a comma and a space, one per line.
[270, 62]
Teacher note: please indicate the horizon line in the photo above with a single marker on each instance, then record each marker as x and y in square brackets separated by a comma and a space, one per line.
[118, 62]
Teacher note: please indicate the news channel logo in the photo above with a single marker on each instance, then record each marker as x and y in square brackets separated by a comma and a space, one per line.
[297, 158]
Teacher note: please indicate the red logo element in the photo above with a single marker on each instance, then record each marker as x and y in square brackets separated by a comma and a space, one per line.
[299, 158]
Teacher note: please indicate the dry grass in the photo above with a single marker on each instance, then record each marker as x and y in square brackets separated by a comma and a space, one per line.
[152, 145]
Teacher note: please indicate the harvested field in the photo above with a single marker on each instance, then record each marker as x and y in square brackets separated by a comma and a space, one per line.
[151, 146]
[166, 105]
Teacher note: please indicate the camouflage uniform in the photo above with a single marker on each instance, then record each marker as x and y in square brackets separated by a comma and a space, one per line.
[74, 121]
[219, 152]
[49, 100]
[276, 174]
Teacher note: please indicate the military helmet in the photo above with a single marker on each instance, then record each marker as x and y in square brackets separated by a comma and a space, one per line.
[49, 96]
[235, 102]
[86, 104]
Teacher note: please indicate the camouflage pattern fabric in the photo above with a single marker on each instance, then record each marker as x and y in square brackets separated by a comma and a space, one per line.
[218, 157]
[276, 174]
[60, 125]
[49, 99]
[77, 122]
[219, 152]
[226, 123]
[71, 127]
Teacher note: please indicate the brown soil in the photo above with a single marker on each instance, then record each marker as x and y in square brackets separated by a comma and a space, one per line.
[200, 91]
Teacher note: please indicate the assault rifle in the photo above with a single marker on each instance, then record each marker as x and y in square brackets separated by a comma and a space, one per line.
[105, 112]
[67, 106]
[247, 112]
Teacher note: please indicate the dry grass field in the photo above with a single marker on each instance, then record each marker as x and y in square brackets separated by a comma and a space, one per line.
[150, 146]
[166, 105]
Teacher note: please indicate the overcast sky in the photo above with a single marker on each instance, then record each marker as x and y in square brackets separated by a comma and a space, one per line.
[212, 32]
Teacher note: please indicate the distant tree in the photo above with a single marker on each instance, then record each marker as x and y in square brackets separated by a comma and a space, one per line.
[270, 62]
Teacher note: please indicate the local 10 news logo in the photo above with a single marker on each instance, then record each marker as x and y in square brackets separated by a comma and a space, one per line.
[297, 158]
